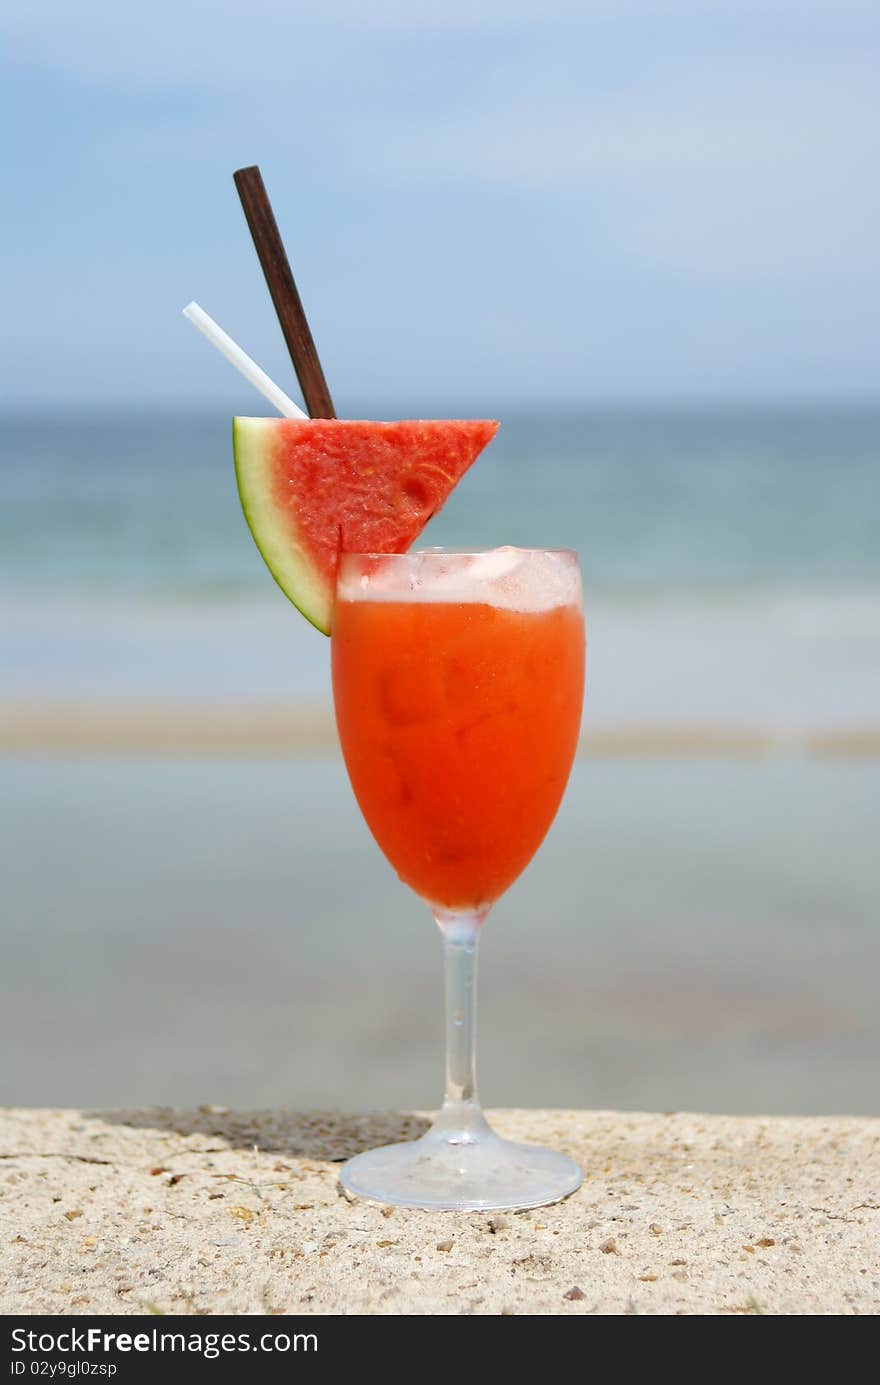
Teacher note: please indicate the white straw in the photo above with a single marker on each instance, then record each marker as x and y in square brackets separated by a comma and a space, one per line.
[242, 361]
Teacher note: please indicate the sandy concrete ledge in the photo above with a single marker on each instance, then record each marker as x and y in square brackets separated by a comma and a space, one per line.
[213, 1211]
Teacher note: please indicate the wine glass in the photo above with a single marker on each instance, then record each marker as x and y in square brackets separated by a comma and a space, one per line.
[458, 686]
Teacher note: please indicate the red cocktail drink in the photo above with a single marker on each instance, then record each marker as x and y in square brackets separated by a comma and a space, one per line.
[458, 720]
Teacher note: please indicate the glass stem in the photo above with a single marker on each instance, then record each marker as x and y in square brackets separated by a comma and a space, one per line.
[461, 1119]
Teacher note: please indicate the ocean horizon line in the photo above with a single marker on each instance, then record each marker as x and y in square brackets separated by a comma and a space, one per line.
[427, 406]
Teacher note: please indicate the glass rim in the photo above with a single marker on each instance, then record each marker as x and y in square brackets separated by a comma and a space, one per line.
[442, 552]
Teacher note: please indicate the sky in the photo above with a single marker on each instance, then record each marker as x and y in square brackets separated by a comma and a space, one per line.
[485, 202]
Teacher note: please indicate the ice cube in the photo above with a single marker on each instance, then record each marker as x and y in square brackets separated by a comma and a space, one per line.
[493, 566]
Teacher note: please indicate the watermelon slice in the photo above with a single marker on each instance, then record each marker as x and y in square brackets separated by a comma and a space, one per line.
[314, 488]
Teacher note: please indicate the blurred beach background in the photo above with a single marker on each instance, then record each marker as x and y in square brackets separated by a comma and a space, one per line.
[647, 242]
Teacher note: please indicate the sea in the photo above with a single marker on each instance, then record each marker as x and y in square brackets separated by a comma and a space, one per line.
[698, 931]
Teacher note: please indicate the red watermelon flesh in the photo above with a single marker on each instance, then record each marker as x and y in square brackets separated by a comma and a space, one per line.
[314, 488]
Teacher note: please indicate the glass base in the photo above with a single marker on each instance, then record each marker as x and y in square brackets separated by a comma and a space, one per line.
[445, 1172]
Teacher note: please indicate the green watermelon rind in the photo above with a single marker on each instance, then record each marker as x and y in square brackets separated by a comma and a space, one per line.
[295, 573]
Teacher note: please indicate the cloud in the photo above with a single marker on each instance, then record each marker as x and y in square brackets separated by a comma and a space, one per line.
[208, 44]
[726, 166]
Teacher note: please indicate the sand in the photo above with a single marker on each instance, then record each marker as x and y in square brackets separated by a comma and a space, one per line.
[216, 1212]
[204, 727]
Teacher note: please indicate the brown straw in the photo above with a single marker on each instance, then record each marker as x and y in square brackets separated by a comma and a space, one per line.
[276, 268]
